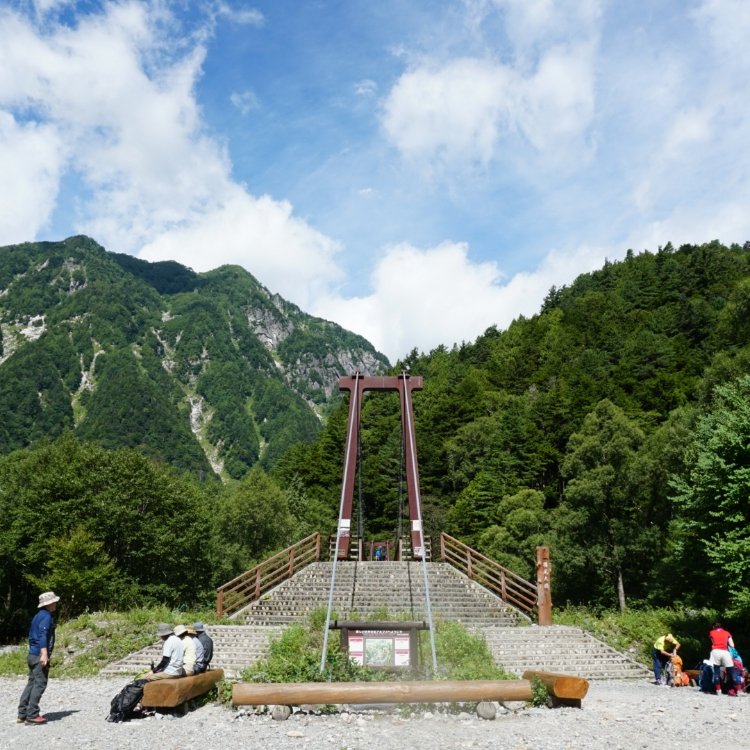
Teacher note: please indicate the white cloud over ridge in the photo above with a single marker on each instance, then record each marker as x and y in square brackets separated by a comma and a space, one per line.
[426, 298]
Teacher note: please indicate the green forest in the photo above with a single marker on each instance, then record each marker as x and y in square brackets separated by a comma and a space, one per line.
[613, 426]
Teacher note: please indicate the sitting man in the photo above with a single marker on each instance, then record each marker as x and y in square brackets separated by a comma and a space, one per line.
[170, 665]
[206, 642]
[200, 656]
[188, 649]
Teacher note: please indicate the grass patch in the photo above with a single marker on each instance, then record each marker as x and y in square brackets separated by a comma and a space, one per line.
[460, 655]
[634, 631]
[295, 657]
[87, 643]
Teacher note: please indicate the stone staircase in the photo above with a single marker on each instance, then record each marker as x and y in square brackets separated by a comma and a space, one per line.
[395, 590]
[235, 648]
[559, 648]
[382, 590]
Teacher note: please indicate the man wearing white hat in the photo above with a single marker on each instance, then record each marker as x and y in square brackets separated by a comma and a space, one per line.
[170, 665]
[41, 643]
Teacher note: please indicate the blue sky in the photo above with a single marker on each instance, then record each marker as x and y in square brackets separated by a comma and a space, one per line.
[416, 171]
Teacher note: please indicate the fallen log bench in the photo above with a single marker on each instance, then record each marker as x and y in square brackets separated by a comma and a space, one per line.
[175, 692]
[566, 689]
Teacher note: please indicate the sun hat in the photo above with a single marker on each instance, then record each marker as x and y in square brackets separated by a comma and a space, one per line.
[199, 627]
[48, 597]
[163, 629]
[190, 630]
[180, 630]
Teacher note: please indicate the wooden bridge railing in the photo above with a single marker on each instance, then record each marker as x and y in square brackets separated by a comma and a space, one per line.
[510, 587]
[252, 584]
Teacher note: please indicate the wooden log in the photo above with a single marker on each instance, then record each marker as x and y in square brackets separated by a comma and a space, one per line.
[322, 693]
[173, 692]
[564, 689]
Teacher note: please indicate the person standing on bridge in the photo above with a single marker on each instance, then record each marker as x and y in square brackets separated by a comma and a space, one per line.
[41, 643]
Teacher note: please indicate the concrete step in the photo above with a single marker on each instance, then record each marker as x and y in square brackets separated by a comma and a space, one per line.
[369, 589]
[559, 648]
[235, 649]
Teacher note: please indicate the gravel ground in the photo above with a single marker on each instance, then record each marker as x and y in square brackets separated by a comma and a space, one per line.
[626, 714]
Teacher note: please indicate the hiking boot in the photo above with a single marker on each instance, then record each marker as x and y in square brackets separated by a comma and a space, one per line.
[37, 720]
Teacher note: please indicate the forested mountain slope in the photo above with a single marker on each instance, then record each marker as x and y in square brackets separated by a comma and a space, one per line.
[208, 372]
[614, 426]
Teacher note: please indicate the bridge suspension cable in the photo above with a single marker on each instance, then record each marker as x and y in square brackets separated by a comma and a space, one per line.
[418, 503]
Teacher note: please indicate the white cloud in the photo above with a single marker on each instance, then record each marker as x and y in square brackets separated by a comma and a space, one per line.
[728, 23]
[244, 101]
[464, 110]
[261, 234]
[557, 102]
[32, 157]
[452, 113]
[365, 87]
[729, 222]
[426, 298]
[243, 16]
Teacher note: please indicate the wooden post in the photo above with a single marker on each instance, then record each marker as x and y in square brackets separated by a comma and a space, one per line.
[543, 586]
[220, 603]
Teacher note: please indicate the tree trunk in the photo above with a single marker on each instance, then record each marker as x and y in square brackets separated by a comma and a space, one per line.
[621, 590]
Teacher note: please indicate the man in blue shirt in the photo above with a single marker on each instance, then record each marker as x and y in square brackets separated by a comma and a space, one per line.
[41, 643]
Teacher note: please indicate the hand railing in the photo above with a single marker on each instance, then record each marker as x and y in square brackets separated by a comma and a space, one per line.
[511, 588]
[252, 584]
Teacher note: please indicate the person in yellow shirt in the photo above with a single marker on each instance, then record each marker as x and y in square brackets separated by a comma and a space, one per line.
[664, 647]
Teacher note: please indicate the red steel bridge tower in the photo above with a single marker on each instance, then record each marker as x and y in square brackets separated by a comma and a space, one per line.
[357, 384]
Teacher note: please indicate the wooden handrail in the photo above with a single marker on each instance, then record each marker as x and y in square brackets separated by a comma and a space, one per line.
[511, 588]
[252, 584]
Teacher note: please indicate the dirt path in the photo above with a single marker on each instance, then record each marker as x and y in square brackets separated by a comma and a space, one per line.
[614, 715]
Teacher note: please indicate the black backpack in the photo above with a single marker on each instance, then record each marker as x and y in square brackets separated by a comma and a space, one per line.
[706, 678]
[121, 708]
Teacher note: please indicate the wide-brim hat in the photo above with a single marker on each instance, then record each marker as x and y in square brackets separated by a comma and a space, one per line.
[199, 627]
[163, 629]
[191, 630]
[48, 597]
[180, 630]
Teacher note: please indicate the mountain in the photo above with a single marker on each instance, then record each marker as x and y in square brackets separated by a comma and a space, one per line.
[209, 372]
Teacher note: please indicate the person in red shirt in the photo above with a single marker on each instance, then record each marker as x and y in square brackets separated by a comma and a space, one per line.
[721, 640]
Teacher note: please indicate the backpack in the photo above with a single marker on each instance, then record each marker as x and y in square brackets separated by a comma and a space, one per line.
[679, 677]
[121, 708]
[706, 678]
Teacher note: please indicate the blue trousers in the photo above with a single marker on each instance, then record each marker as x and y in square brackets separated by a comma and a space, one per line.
[28, 706]
[660, 662]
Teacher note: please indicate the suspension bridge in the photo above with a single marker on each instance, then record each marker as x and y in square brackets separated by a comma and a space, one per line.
[412, 575]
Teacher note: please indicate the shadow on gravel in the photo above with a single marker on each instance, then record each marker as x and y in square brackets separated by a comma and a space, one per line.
[58, 715]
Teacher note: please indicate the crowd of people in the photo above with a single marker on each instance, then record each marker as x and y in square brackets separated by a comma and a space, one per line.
[723, 672]
[186, 650]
